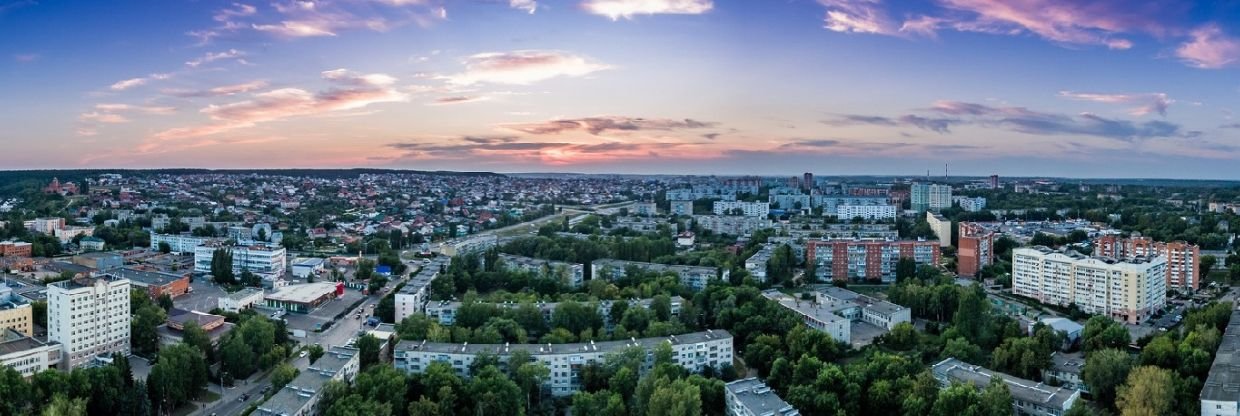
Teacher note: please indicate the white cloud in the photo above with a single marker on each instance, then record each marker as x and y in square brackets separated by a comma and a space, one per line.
[616, 9]
[212, 57]
[529, 6]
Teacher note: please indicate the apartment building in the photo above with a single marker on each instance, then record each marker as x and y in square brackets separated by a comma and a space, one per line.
[693, 277]
[1028, 397]
[866, 212]
[930, 197]
[88, 317]
[681, 207]
[469, 245]
[748, 209]
[731, 225]
[976, 204]
[756, 264]
[180, 243]
[16, 249]
[301, 396]
[445, 312]
[872, 260]
[1221, 394]
[568, 274]
[645, 209]
[269, 262]
[44, 225]
[16, 313]
[25, 354]
[693, 352]
[414, 296]
[942, 228]
[751, 397]
[976, 248]
[1128, 290]
[1183, 259]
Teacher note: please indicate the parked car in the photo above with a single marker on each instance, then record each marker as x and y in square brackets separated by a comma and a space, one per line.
[302, 355]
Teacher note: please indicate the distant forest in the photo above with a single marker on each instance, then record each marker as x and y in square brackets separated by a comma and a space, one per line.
[13, 182]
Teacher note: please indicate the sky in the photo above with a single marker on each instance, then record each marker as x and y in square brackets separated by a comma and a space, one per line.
[1070, 88]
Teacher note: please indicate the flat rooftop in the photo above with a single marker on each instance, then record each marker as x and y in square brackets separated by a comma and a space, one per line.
[1223, 383]
[147, 277]
[1024, 390]
[303, 293]
[820, 312]
[760, 399]
[297, 393]
[551, 349]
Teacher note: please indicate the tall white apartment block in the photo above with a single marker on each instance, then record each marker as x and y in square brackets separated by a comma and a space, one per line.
[748, 209]
[88, 317]
[930, 197]
[1128, 289]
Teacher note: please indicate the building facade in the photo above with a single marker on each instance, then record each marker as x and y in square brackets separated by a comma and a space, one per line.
[1221, 394]
[694, 277]
[872, 260]
[16, 313]
[268, 262]
[942, 228]
[88, 317]
[16, 249]
[1183, 258]
[866, 212]
[568, 274]
[748, 209]
[27, 355]
[1128, 290]
[693, 352]
[976, 248]
[930, 197]
[179, 243]
[731, 225]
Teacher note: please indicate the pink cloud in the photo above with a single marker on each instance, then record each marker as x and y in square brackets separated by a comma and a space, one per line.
[862, 16]
[137, 82]
[26, 57]
[353, 91]
[1143, 103]
[1209, 48]
[616, 9]
[524, 67]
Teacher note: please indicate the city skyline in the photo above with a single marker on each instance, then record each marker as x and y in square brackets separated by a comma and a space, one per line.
[1025, 88]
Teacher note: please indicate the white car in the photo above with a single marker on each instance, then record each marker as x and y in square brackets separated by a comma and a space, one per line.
[303, 354]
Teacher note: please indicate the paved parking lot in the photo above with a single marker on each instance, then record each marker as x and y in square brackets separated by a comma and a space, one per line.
[204, 298]
[324, 313]
[864, 333]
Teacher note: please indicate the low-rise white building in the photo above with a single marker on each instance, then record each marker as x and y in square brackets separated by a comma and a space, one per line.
[27, 355]
[306, 267]
[751, 397]
[241, 300]
[414, 296]
[756, 264]
[301, 396]
[180, 243]
[266, 261]
[815, 316]
[1028, 397]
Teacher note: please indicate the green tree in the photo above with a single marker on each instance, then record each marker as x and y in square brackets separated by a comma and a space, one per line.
[195, 336]
[144, 337]
[493, 393]
[283, 374]
[1149, 391]
[1105, 370]
[38, 312]
[178, 375]
[676, 398]
[368, 350]
[62, 405]
[996, 399]
[14, 393]
[165, 302]
[164, 247]
[316, 352]
[601, 403]
[222, 266]
[1102, 333]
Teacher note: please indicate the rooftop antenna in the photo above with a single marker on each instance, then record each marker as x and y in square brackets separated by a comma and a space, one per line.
[944, 171]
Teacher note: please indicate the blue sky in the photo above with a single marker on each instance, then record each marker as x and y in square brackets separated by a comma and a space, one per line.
[1016, 87]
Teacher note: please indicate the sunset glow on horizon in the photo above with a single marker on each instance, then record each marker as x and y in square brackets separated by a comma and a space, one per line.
[1032, 87]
